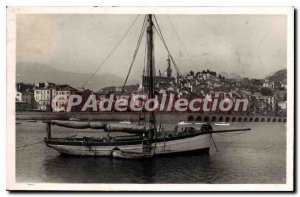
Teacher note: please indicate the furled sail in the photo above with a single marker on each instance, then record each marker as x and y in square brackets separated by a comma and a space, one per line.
[108, 127]
[130, 128]
[79, 125]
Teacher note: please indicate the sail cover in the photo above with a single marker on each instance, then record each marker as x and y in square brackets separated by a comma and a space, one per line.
[108, 127]
[130, 128]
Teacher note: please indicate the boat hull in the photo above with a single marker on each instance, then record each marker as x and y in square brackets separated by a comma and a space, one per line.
[195, 144]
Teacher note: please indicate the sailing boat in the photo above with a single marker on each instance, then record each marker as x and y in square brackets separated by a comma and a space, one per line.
[146, 141]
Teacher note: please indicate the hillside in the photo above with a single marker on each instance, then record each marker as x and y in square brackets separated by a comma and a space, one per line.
[230, 75]
[280, 76]
[33, 73]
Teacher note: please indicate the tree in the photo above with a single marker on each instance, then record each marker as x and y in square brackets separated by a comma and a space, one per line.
[266, 91]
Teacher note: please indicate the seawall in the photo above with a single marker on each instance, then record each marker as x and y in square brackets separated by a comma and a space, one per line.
[134, 116]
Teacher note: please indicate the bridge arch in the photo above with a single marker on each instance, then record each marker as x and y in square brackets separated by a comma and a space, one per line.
[284, 120]
[262, 120]
[269, 120]
[214, 119]
[199, 119]
[279, 120]
[233, 119]
[274, 120]
[240, 119]
[250, 119]
[245, 119]
[190, 118]
[206, 118]
[221, 119]
[227, 119]
[256, 120]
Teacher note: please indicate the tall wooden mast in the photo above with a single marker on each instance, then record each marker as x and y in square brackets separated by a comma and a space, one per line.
[150, 65]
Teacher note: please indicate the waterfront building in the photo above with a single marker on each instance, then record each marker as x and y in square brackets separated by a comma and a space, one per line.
[282, 105]
[42, 97]
[24, 96]
[272, 84]
[63, 90]
[18, 96]
[45, 92]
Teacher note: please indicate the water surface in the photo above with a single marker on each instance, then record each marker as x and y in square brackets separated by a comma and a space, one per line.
[258, 156]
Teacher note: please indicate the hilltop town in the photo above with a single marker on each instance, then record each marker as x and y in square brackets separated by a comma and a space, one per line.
[266, 96]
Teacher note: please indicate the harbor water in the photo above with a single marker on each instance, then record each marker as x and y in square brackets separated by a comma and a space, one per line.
[257, 156]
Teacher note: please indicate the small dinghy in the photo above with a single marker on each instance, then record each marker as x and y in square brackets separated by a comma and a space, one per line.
[222, 124]
[131, 155]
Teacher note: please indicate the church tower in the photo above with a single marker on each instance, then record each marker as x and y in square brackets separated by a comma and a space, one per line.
[169, 69]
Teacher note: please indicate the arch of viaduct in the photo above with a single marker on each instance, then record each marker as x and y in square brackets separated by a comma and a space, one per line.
[234, 118]
[170, 116]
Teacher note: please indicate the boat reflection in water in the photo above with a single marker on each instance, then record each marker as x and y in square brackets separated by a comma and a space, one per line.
[175, 169]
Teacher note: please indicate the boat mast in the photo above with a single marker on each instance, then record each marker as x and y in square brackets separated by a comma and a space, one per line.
[150, 65]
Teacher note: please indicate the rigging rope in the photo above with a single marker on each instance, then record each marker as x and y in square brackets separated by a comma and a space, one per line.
[181, 41]
[145, 54]
[111, 52]
[135, 52]
[158, 30]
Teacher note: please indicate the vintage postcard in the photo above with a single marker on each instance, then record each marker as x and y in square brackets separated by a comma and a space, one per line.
[150, 98]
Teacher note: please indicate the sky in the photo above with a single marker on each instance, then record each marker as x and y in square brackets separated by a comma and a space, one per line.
[252, 46]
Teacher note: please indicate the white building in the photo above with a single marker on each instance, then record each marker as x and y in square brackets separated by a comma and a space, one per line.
[42, 97]
[63, 92]
[282, 104]
[269, 101]
[267, 84]
[18, 96]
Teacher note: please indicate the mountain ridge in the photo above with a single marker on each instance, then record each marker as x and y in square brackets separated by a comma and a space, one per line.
[29, 72]
[279, 76]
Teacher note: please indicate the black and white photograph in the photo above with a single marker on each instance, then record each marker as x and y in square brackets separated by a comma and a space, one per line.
[150, 99]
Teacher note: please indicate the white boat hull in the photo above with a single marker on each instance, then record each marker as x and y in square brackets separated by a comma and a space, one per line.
[191, 144]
